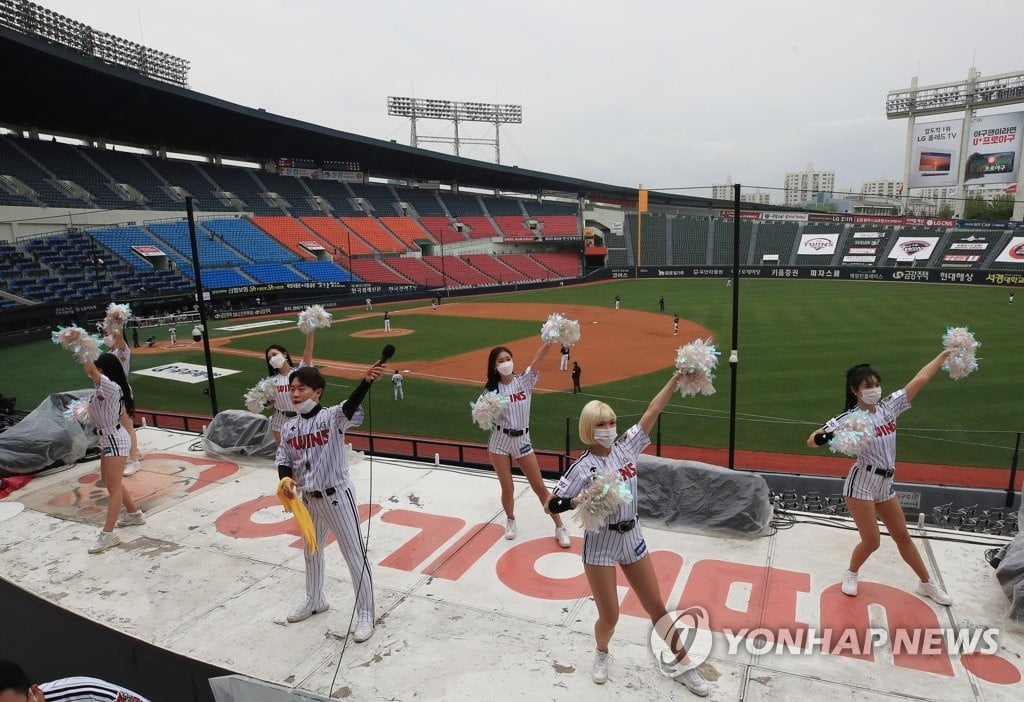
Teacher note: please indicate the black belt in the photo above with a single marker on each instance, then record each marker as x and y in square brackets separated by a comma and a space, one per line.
[622, 527]
[107, 432]
[514, 432]
[288, 414]
[317, 494]
[884, 472]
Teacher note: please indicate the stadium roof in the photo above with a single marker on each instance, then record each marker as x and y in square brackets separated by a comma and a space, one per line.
[56, 90]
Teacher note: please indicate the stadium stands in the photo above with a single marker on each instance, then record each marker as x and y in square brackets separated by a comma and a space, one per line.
[514, 227]
[131, 170]
[459, 206]
[377, 271]
[424, 203]
[185, 175]
[457, 270]
[442, 230]
[292, 234]
[292, 190]
[344, 241]
[565, 265]
[653, 241]
[527, 266]
[212, 252]
[380, 198]
[337, 195]
[224, 278]
[408, 230]
[494, 267]
[326, 271]
[242, 236]
[273, 273]
[374, 234]
[479, 227]
[51, 162]
[416, 270]
[121, 241]
[722, 251]
[689, 241]
[241, 183]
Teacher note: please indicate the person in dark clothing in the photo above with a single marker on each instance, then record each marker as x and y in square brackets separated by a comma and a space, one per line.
[576, 372]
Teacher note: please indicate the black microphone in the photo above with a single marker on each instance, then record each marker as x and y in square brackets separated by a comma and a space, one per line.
[386, 354]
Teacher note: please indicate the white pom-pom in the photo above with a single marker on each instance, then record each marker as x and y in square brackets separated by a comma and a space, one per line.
[78, 411]
[117, 316]
[697, 360]
[314, 317]
[854, 434]
[83, 346]
[559, 330]
[601, 499]
[260, 396]
[962, 346]
[487, 409]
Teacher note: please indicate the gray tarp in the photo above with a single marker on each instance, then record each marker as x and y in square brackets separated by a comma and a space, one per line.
[1010, 573]
[694, 496]
[45, 437]
[239, 433]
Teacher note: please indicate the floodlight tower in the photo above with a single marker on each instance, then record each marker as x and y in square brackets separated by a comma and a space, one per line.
[455, 112]
[985, 149]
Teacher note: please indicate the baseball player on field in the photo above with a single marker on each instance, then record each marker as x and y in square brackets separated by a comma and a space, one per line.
[510, 439]
[118, 345]
[109, 401]
[868, 490]
[619, 539]
[16, 686]
[312, 456]
[280, 367]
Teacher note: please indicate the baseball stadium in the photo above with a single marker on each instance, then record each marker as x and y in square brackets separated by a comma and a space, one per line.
[222, 230]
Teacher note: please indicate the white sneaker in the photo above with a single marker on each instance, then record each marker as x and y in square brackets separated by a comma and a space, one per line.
[510, 529]
[364, 628]
[694, 681]
[131, 518]
[599, 674]
[850, 583]
[933, 590]
[562, 534]
[131, 467]
[305, 611]
[106, 539]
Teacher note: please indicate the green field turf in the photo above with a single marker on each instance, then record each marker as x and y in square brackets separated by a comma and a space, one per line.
[796, 340]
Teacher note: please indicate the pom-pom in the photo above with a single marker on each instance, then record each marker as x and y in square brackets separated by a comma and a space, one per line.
[117, 316]
[83, 346]
[961, 345]
[78, 411]
[559, 330]
[855, 432]
[261, 395]
[697, 360]
[601, 499]
[314, 317]
[487, 408]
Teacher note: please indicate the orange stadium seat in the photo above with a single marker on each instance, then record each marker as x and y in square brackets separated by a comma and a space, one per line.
[336, 234]
[408, 230]
[493, 267]
[291, 233]
[374, 233]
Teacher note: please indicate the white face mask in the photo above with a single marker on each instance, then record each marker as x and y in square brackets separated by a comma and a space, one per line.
[505, 368]
[605, 436]
[108, 341]
[276, 361]
[871, 396]
[306, 406]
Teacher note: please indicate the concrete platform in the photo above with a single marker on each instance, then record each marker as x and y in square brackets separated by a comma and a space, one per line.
[464, 614]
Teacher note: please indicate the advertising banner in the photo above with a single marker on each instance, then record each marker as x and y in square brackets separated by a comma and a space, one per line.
[935, 153]
[918, 248]
[993, 148]
[817, 244]
[1014, 251]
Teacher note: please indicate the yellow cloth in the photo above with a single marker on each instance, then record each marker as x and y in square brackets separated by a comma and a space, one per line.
[302, 518]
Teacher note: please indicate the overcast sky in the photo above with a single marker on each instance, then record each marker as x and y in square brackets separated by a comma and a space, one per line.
[665, 93]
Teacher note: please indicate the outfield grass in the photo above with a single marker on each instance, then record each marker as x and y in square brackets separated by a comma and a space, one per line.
[796, 340]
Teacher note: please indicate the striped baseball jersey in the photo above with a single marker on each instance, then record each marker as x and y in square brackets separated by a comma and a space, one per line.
[622, 459]
[83, 689]
[105, 405]
[283, 400]
[314, 448]
[124, 355]
[881, 451]
[516, 414]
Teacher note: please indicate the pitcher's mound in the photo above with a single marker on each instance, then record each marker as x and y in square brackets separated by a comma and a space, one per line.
[379, 333]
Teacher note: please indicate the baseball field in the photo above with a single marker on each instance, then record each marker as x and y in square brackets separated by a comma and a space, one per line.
[796, 339]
